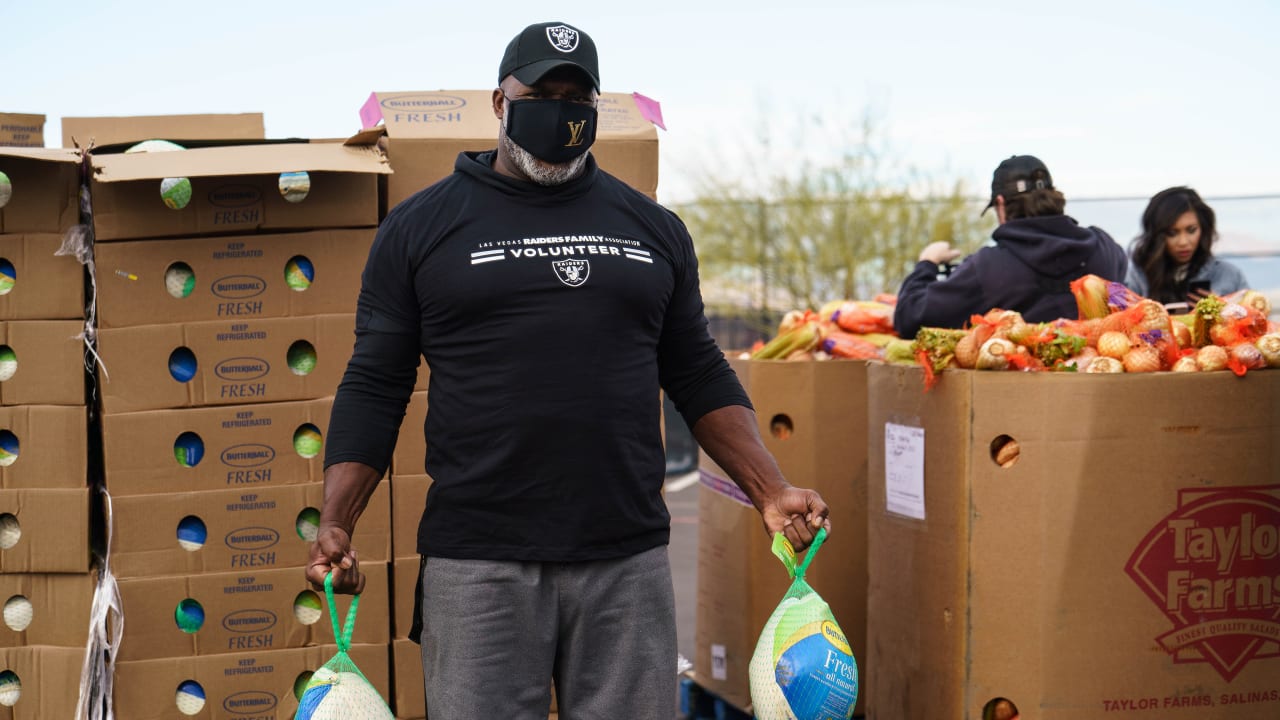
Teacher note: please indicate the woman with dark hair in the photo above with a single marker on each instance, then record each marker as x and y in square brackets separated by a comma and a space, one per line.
[1172, 260]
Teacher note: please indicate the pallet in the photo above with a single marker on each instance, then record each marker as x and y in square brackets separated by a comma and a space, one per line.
[699, 703]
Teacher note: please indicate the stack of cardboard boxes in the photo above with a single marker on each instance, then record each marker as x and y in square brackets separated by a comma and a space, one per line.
[226, 321]
[46, 577]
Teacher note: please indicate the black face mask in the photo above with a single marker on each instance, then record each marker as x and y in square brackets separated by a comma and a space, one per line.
[554, 131]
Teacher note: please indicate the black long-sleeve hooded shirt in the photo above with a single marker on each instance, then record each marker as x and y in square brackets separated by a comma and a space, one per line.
[550, 317]
[1028, 268]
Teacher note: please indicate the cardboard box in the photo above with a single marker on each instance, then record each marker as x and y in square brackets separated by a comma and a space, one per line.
[426, 130]
[59, 605]
[740, 581]
[215, 448]
[1124, 565]
[47, 446]
[408, 686]
[404, 591]
[104, 131]
[245, 276]
[22, 130]
[242, 612]
[49, 359]
[408, 498]
[410, 455]
[233, 530]
[52, 528]
[224, 362]
[44, 286]
[44, 188]
[237, 685]
[235, 189]
[50, 681]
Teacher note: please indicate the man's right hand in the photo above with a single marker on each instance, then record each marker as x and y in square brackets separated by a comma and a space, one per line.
[331, 552]
[939, 253]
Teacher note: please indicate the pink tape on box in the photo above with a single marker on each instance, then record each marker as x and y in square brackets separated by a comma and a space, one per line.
[371, 112]
[650, 109]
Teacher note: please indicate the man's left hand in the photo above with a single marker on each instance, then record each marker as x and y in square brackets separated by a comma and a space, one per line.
[797, 513]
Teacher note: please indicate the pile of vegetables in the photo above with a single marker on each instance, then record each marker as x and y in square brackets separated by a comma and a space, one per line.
[851, 329]
[1117, 331]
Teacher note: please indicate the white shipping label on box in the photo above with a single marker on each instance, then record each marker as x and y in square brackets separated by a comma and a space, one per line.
[904, 470]
[719, 666]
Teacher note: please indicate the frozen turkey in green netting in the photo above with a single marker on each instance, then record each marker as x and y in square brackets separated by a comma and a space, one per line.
[803, 667]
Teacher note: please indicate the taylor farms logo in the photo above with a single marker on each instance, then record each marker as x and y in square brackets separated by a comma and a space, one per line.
[241, 369]
[1212, 566]
[249, 621]
[423, 103]
[250, 702]
[235, 196]
[238, 287]
[252, 538]
[248, 455]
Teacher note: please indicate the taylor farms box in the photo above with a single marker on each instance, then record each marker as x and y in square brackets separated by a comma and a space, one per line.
[103, 131]
[408, 499]
[246, 276]
[41, 682]
[21, 130]
[42, 362]
[410, 455]
[215, 448]
[36, 284]
[256, 684]
[46, 608]
[235, 189]
[233, 530]
[44, 446]
[180, 616]
[1123, 562]
[38, 190]
[426, 130]
[44, 531]
[224, 362]
[812, 419]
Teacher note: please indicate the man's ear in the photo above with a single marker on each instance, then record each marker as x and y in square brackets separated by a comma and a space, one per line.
[1000, 216]
[497, 103]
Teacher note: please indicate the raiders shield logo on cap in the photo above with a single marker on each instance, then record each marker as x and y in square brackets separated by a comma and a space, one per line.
[563, 38]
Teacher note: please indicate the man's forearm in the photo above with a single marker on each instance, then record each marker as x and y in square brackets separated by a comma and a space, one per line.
[347, 488]
[730, 437]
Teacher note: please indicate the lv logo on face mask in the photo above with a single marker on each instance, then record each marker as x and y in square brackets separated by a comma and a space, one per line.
[575, 133]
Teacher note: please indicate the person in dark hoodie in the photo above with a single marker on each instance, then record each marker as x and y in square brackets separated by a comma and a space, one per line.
[551, 302]
[1034, 254]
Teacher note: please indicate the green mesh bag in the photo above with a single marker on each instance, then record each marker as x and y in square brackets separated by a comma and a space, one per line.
[338, 690]
[803, 667]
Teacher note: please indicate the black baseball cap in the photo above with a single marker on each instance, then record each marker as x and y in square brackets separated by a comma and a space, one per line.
[1018, 174]
[543, 47]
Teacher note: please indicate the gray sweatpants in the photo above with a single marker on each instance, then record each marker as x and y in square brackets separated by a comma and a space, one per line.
[496, 633]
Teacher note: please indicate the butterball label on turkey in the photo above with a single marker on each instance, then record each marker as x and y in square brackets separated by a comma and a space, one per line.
[1212, 568]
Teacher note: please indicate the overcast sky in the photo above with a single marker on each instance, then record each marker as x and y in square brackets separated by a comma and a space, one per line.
[1118, 98]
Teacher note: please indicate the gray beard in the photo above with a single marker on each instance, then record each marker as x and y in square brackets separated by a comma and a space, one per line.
[541, 172]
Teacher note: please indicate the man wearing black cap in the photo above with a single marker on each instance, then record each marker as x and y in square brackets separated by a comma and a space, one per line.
[552, 302]
[1034, 254]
